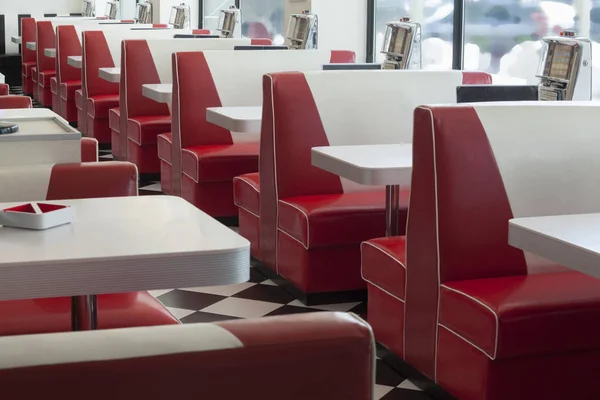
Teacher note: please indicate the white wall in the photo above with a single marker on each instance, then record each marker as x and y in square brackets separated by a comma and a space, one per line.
[37, 9]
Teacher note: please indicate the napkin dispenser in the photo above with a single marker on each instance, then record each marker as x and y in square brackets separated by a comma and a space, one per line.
[143, 13]
[180, 16]
[88, 8]
[565, 69]
[303, 31]
[402, 45]
[228, 20]
[112, 9]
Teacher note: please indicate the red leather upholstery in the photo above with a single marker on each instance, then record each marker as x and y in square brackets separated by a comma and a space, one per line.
[28, 57]
[103, 94]
[384, 270]
[69, 78]
[143, 131]
[327, 356]
[114, 122]
[246, 194]
[34, 78]
[12, 101]
[46, 66]
[471, 299]
[81, 114]
[86, 180]
[55, 95]
[4, 89]
[164, 142]
[89, 150]
[261, 42]
[201, 31]
[194, 87]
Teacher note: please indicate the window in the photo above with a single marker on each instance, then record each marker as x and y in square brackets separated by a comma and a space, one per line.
[212, 12]
[263, 19]
[435, 17]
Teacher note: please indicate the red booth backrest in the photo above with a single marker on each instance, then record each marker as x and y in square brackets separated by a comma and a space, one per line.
[317, 356]
[306, 110]
[68, 181]
[67, 44]
[206, 79]
[474, 168]
[45, 39]
[28, 29]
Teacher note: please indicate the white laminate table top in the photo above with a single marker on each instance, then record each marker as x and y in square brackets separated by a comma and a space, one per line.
[75, 61]
[236, 119]
[570, 240]
[377, 164]
[28, 113]
[15, 39]
[118, 245]
[50, 53]
[31, 45]
[110, 74]
[160, 92]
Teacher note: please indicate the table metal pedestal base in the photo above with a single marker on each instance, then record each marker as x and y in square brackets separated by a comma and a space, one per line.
[392, 209]
[84, 312]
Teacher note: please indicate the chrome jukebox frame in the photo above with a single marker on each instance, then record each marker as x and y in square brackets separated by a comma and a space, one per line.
[228, 19]
[143, 14]
[112, 9]
[88, 8]
[402, 45]
[303, 31]
[180, 16]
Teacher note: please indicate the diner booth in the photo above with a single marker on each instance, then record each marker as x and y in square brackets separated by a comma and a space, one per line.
[189, 212]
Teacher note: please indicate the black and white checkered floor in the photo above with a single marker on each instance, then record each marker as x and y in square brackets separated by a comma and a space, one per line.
[258, 298]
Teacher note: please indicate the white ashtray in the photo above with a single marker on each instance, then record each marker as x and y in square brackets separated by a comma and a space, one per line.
[38, 216]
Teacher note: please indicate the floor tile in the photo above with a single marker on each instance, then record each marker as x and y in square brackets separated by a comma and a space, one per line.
[242, 308]
[268, 282]
[157, 293]
[408, 385]
[387, 376]
[189, 300]
[227, 290]
[403, 394]
[343, 307]
[272, 294]
[180, 313]
[202, 317]
[286, 310]
[256, 276]
[381, 390]
[155, 187]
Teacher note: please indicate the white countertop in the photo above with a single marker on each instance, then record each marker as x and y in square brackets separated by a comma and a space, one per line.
[161, 92]
[31, 45]
[378, 164]
[15, 39]
[50, 53]
[75, 61]
[121, 245]
[236, 119]
[29, 113]
[569, 240]
[110, 74]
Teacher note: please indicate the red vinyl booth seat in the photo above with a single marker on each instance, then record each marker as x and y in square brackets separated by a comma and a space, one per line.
[89, 150]
[81, 114]
[67, 100]
[326, 356]
[164, 142]
[143, 131]
[12, 101]
[97, 109]
[55, 96]
[246, 195]
[206, 157]
[28, 57]
[4, 89]
[114, 121]
[312, 222]
[73, 181]
[484, 319]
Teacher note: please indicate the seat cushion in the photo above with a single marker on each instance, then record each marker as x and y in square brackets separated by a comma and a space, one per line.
[336, 219]
[384, 264]
[54, 315]
[34, 74]
[44, 78]
[98, 106]
[68, 88]
[524, 315]
[144, 130]
[165, 142]
[114, 119]
[54, 85]
[219, 163]
[26, 68]
[79, 99]
[246, 192]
